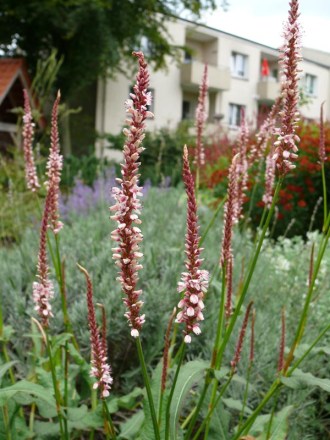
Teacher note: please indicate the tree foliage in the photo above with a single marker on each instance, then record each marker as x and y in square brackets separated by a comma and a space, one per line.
[92, 36]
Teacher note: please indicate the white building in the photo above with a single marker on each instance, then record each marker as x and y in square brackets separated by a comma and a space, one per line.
[235, 81]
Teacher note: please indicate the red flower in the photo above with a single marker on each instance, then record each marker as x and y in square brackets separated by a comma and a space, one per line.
[302, 203]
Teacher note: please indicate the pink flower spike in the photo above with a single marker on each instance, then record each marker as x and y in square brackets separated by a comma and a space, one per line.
[280, 365]
[239, 345]
[286, 148]
[54, 168]
[200, 119]
[241, 166]
[100, 369]
[28, 134]
[43, 290]
[127, 207]
[230, 211]
[194, 282]
[322, 153]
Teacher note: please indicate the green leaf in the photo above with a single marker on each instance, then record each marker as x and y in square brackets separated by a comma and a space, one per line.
[23, 389]
[190, 374]
[7, 333]
[59, 341]
[236, 405]
[5, 367]
[131, 427]
[46, 430]
[81, 419]
[279, 428]
[129, 401]
[300, 379]
[219, 425]
[302, 348]
[220, 374]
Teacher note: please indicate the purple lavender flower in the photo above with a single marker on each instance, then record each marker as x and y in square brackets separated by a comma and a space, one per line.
[194, 282]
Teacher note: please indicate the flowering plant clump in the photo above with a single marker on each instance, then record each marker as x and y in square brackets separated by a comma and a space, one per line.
[184, 393]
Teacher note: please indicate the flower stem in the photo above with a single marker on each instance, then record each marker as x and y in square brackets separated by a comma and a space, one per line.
[325, 205]
[55, 386]
[181, 353]
[110, 429]
[303, 318]
[252, 266]
[212, 408]
[148, 388]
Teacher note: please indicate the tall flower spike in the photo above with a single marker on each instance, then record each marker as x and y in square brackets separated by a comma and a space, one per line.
[267, 130]
[43, 289]
[286, 148]
[267, 198]
[127, 206]
[239, 345]
[229, 220]
[242, 165]
[280, 365]
[54, 168]
[194, 282]
[322, 153]
[201, 117]
[28, 134]
[100, 367]
[253, 320]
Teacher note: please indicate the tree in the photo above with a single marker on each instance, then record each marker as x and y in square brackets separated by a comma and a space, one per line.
[92, 36]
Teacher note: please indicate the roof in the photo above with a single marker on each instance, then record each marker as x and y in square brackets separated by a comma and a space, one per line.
[10, 70]
[314, 56]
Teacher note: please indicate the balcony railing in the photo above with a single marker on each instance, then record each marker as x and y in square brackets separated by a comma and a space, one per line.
[268, 89]
[192, 73]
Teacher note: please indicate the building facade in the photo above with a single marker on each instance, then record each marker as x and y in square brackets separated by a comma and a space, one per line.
[242, 74]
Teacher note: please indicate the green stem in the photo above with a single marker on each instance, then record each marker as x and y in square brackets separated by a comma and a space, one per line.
[325, 206]
[182, 350]
[249, 276]
[56, 390]
[148, 388]
[303, 318]
[198, 408]
[6, 422]
[211, 409]
[276, 385]
[249, 422]
[211, 223]
[246, 393]
[110, 429]
[271, 419]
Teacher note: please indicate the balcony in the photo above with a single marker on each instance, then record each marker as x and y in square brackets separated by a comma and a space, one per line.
[192, 73]
[268, 89]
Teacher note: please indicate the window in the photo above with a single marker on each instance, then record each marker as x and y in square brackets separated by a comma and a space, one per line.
[239, 65]
[187, 57]
[151, 107]
[310, 84]
[185, 110]
[235, 114]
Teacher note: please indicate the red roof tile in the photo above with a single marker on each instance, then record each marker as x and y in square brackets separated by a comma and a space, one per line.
[10, 69]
